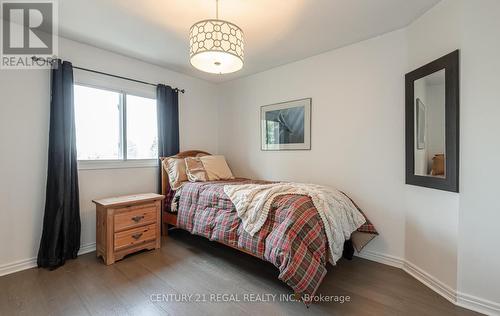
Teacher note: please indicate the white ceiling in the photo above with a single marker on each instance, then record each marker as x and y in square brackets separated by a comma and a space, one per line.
[276, 31]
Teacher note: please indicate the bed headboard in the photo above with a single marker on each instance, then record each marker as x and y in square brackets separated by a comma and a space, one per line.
[165, 184]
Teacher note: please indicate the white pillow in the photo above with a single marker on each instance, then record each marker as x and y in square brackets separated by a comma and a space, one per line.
[216, 168]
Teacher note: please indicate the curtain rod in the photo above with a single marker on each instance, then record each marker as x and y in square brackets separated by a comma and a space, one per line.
[35, 58]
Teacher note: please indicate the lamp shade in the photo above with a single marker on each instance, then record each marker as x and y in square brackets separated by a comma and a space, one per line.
[216, 46]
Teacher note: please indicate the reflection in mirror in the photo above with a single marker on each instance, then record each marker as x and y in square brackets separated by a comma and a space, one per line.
[429, 100]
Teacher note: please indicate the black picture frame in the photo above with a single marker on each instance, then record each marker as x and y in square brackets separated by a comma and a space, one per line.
[450, 182]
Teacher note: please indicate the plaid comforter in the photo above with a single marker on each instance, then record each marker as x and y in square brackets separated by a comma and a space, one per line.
[293, 237]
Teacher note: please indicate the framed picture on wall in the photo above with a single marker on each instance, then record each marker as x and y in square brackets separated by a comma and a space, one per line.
[286, 126]
[421, 123]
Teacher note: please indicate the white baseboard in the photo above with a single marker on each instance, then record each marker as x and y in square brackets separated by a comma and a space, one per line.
[382, 258]
[478, 304]
[86, 248]
[17, 266]
[431, 282]
[31, 263]
[461, 299]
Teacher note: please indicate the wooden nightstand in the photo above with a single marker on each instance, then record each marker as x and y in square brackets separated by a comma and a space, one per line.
[127, 224]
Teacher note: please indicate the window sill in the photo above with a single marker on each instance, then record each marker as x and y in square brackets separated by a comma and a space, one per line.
[116, 164]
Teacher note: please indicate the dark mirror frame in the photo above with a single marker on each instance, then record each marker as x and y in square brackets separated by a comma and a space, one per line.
[450, 63]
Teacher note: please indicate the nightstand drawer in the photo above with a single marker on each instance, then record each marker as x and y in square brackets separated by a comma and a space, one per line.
[134, 236]
[131, 218]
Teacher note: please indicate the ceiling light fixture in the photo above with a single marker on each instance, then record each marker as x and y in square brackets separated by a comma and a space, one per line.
[216, 46]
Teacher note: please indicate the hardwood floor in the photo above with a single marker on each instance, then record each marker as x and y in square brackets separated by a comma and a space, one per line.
[189, 264]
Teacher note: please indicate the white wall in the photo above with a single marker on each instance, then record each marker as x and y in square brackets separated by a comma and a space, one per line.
[24, 123]
[24, 116]
[357, 128]
[465, 222]
[478, 251]
[432, 215]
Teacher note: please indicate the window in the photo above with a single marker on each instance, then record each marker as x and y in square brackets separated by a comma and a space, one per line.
[142, 132]
[114, 125]
[97, 118]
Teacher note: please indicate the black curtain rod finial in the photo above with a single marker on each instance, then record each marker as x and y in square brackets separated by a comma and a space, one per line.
[48, 60]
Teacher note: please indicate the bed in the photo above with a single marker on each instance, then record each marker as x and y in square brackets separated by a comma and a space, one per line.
[292, 238]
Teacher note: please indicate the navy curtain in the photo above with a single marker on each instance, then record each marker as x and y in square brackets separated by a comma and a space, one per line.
[61, 223]
[167, 101]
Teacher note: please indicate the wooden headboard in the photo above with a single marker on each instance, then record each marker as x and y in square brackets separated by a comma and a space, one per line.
[165, 184]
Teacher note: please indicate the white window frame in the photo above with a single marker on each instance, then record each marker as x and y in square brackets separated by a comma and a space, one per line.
[122, 163]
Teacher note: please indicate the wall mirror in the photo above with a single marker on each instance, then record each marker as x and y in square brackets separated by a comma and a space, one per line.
[432, 124]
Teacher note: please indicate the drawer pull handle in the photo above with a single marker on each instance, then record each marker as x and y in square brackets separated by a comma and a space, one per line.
[137, 219]
[137, 236]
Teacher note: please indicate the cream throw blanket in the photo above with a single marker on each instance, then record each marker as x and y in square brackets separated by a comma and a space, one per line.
[339, 215]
